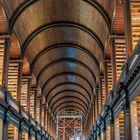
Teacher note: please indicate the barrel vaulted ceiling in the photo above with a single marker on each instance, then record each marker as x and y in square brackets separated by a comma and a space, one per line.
[64, 41]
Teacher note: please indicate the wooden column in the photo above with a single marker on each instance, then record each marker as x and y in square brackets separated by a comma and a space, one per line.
[113, 61]
[99, 137]
[19, 82]
[127, 115]
[104, 135]
[1, 128]
[100, 88]
[50, 125]
[128, 27]
[48, 121]
[5, 129]
[19, 135]
[106, 78]
[91, 115]
[94, 111]
[29, 135]
[5, 132]
[29, 138]
[45, 115]
[40, 113]
[36, 136]
[104, 130]
[97, 103]
[28, 94]
[112, 132]
[112, 127]
[6, 62]
[127, 124]
[35, 98]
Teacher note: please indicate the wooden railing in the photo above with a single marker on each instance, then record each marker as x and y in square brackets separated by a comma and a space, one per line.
[13, 105]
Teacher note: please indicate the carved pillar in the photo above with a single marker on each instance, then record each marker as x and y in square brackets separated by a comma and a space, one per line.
[29, 137]
[99, 136]
[95, 137]
[36, 136]
[112, 132]
[127, 115]
[19, 135]
[100, 88]
[6, 62]
[29, 134]
[48, 121]
[113, 61]
[45, 115]
[104, 131]
[97, 101]
[5, 129]
[127, 123]
[104, 135]
[19, 82]
[1, 128]
[35, 98]
[106, 78]
[91, 114]
[112, 127]
[92, 136]
[94, 110]
[28, 94]
[128, 27]
[40, 113]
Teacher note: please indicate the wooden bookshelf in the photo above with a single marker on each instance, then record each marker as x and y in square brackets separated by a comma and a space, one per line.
[12, 132]
[32, 100]
[1, 58]
[13, 78]
[135, 15]
[120, 49]
[24, 90]
[24, 136]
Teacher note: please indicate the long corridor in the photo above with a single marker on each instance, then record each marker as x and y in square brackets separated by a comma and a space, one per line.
[69, 69]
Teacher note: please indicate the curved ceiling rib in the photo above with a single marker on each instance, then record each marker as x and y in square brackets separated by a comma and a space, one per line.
[67, 98]
[62, 96]
[61, 24]
[18, 11]
[66, 60]
[70, 103]
[65, 67]
[68, 92]
[26, 4]
[66, 78]
[68, 87]
[71, 45]
[103, 12]
[67, 83]
[68, 74]
[64, 48]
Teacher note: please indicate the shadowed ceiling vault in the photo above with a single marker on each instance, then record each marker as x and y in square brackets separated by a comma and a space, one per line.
[64, 41]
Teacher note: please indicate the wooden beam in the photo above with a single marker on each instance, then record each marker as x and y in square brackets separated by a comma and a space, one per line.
[128, 27]
[6, 62]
